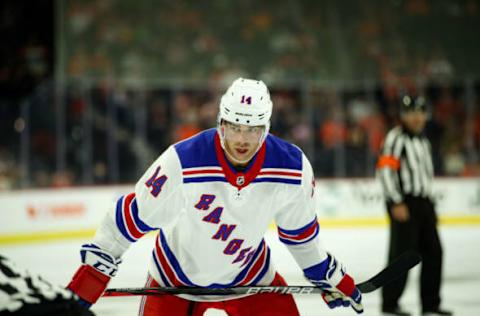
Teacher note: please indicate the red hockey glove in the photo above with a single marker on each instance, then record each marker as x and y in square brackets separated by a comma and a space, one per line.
[91, 279]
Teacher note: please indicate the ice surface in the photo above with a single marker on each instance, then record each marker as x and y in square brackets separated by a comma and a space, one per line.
[362, 250]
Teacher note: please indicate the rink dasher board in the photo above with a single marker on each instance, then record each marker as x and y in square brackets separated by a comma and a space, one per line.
[55, 214]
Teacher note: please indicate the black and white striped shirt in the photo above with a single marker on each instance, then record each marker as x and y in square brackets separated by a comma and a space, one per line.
[23, 293]
[405, 165]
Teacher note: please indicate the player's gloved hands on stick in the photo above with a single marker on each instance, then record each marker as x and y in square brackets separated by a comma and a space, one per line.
[339, 287]
[91, 279]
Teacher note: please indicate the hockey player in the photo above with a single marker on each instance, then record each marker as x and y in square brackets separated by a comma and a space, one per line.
[211, 198]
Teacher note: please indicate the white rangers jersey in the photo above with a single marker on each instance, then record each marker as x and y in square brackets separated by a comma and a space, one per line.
[211, 218]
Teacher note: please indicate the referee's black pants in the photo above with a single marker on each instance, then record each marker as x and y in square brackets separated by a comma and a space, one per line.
[418, 234]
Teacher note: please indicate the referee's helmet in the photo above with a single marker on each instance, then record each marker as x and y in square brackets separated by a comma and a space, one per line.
[413, 103]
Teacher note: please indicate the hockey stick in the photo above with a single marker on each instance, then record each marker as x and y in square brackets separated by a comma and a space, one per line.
[393, 271]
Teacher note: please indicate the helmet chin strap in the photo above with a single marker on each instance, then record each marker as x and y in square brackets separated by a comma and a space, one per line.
[221, 133]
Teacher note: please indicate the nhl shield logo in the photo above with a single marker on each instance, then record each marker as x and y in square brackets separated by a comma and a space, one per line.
[240, 180]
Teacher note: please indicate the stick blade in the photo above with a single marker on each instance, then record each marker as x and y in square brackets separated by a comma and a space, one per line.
[396, 269]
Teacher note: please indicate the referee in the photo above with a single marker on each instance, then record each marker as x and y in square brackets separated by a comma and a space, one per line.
[405, 171]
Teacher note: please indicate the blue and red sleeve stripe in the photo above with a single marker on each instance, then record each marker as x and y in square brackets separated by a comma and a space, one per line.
[300, 235]
[127, 219]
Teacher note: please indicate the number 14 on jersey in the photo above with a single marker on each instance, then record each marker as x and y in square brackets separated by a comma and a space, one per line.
[156, 182]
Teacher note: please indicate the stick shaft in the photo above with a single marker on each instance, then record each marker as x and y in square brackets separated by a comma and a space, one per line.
[239, 290]
[393, 271]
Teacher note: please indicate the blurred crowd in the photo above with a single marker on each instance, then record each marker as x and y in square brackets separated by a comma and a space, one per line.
[110, 133]
[26, 60]
[337, 40]
[136, 76]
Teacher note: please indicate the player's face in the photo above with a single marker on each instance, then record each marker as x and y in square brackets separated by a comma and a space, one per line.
[241, 141]
[415, 120]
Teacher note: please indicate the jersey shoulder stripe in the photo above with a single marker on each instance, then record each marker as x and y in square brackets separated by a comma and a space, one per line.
[198, 158]
[283, 162]
[203, 174]
[209, 174]
[278, 180]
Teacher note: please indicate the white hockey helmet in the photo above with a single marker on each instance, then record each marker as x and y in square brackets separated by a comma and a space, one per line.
[246, 102]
